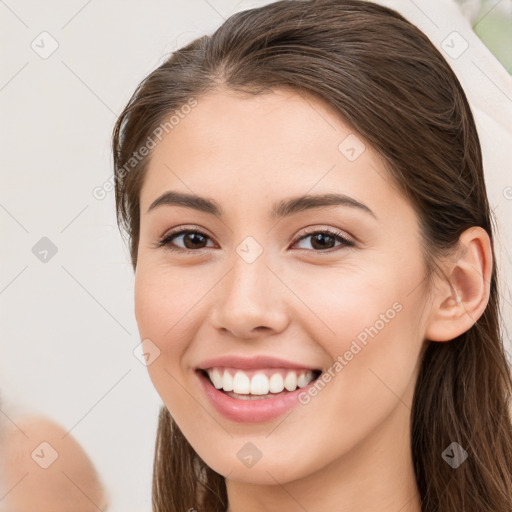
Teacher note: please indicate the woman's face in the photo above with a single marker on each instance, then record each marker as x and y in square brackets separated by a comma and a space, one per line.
[265, 291]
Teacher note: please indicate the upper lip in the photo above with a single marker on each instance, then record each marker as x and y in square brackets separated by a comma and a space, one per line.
[252, 363]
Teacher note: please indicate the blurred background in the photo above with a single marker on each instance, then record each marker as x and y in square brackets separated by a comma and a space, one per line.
[68, 337]
[492, 21]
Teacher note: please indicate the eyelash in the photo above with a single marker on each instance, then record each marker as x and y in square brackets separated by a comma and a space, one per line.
[166, 239]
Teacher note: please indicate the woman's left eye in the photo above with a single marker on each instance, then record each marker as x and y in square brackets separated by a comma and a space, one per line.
[322, 239]
[325, 237]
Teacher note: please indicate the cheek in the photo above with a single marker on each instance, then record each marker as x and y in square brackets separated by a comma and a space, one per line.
[160, 311]
[348, 305]
[370, 325]
[163, 299]
[166, 309]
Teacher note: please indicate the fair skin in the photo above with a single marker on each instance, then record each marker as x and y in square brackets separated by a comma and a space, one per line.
[43, 467]
[348, 449]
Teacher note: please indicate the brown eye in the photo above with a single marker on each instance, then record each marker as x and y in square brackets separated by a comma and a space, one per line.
[325, 239]
[191, 239]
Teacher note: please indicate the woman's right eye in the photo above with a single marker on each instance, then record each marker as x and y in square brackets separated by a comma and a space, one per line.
[190, 238]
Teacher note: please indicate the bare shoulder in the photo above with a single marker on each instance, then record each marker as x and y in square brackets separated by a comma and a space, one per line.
[42, 468]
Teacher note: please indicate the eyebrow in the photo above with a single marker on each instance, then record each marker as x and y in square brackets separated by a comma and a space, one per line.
[280, 209]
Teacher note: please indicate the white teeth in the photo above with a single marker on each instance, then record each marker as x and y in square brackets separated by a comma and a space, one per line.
[216, 378]
[290, 381]
[303, 380]
[259, 384]
[227, 381]
[276, 384]
[241, 383]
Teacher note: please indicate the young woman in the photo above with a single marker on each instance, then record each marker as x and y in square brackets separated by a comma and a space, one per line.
[315, 282]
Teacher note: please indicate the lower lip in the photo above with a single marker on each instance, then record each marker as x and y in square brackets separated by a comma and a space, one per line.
[250, 411]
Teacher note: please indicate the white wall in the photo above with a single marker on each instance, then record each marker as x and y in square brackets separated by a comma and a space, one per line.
[67, 325]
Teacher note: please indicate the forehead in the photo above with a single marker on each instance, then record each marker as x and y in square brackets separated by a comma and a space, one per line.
[259, 148]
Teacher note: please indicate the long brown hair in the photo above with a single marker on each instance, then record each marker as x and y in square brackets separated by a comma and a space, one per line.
[388, 82]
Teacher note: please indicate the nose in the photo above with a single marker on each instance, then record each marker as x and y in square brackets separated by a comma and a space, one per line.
[250, 301]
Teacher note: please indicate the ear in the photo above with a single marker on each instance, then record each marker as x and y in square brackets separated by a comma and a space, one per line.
[461, 298]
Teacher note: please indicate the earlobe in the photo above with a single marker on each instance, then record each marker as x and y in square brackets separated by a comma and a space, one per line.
[461, 298]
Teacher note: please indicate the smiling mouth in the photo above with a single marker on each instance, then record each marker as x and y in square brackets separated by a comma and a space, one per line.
[258, 384]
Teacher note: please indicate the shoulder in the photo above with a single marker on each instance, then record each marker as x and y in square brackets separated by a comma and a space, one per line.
[42, 467]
